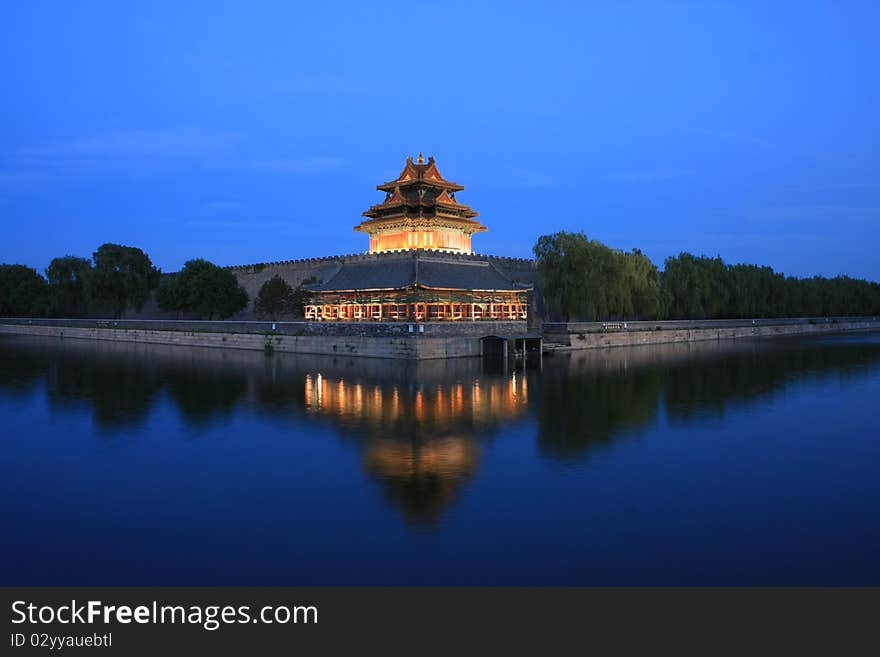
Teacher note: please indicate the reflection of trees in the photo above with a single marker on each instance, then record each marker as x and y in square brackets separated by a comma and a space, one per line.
[205, 393]
[733, 377]
[21, 369]
[120, 392]
[118, 389]
[416, 424]
[419, 426]
[588, 399]
[581, 409]
[121, 382]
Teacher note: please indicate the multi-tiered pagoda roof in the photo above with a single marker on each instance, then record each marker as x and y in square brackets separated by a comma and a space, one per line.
[420, 211]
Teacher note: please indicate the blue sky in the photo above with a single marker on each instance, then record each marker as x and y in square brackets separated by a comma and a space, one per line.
[249, 132]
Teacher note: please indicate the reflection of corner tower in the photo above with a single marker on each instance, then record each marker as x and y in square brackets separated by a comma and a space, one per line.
[420, 211]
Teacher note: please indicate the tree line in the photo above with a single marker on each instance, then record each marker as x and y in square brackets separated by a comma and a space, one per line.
[115, 279]
[584, 279]
[581, 279]
[118, 279]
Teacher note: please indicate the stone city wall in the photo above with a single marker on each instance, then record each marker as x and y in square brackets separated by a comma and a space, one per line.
[415, 347]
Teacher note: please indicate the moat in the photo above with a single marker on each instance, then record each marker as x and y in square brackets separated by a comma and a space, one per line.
[733, 462]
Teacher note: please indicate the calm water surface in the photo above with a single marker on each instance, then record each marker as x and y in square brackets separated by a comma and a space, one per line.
[728, 463]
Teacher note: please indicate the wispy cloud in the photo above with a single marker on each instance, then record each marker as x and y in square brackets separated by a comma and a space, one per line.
[223, 206]
[650, 175]
[21, 179]
[532, 178]
[146, 152]
[832, 187]
[298, 165]
[875, 185]
[759, 143]
[812, 213]
[232, 226]
[112, 153]
[327, 84]
[237, 223]
[135, 143]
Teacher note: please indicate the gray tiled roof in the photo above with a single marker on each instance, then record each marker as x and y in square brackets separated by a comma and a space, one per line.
[463, 275]
[400, 271]
[370, 275]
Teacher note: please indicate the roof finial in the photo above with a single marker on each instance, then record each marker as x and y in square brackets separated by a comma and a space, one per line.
[421, 159]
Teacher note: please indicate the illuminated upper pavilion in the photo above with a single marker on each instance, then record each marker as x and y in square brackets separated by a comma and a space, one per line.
[420, 211]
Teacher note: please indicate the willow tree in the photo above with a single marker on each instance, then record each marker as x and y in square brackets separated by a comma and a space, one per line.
[696, 286]
[643, 283]
[68, 279]
[561, 263]
[123, 278]
[585, 279]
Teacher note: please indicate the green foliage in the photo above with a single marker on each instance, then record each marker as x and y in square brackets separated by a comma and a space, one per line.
[122, 278]
[300, 299]
[204, 288]
[23, 292]
[695, 287]
[583, 409]
[68, 280]
[168, 294]
[643, 285]
[584, 279]
[700, 287]
[276, 298]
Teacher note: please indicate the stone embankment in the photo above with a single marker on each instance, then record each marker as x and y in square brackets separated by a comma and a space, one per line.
[597, 335]
[294, 328]
[379, 340]
[429, 340]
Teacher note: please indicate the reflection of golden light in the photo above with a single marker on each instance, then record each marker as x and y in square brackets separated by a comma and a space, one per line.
[358, 399]
[422, 476]
[437, 426]
[436, 407]
[419, 405]
[446, 458]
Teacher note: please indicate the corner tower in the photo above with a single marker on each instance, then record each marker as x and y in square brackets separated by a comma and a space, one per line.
[420, 211]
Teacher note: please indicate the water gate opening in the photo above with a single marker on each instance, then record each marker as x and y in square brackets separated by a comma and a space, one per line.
[500, 352]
